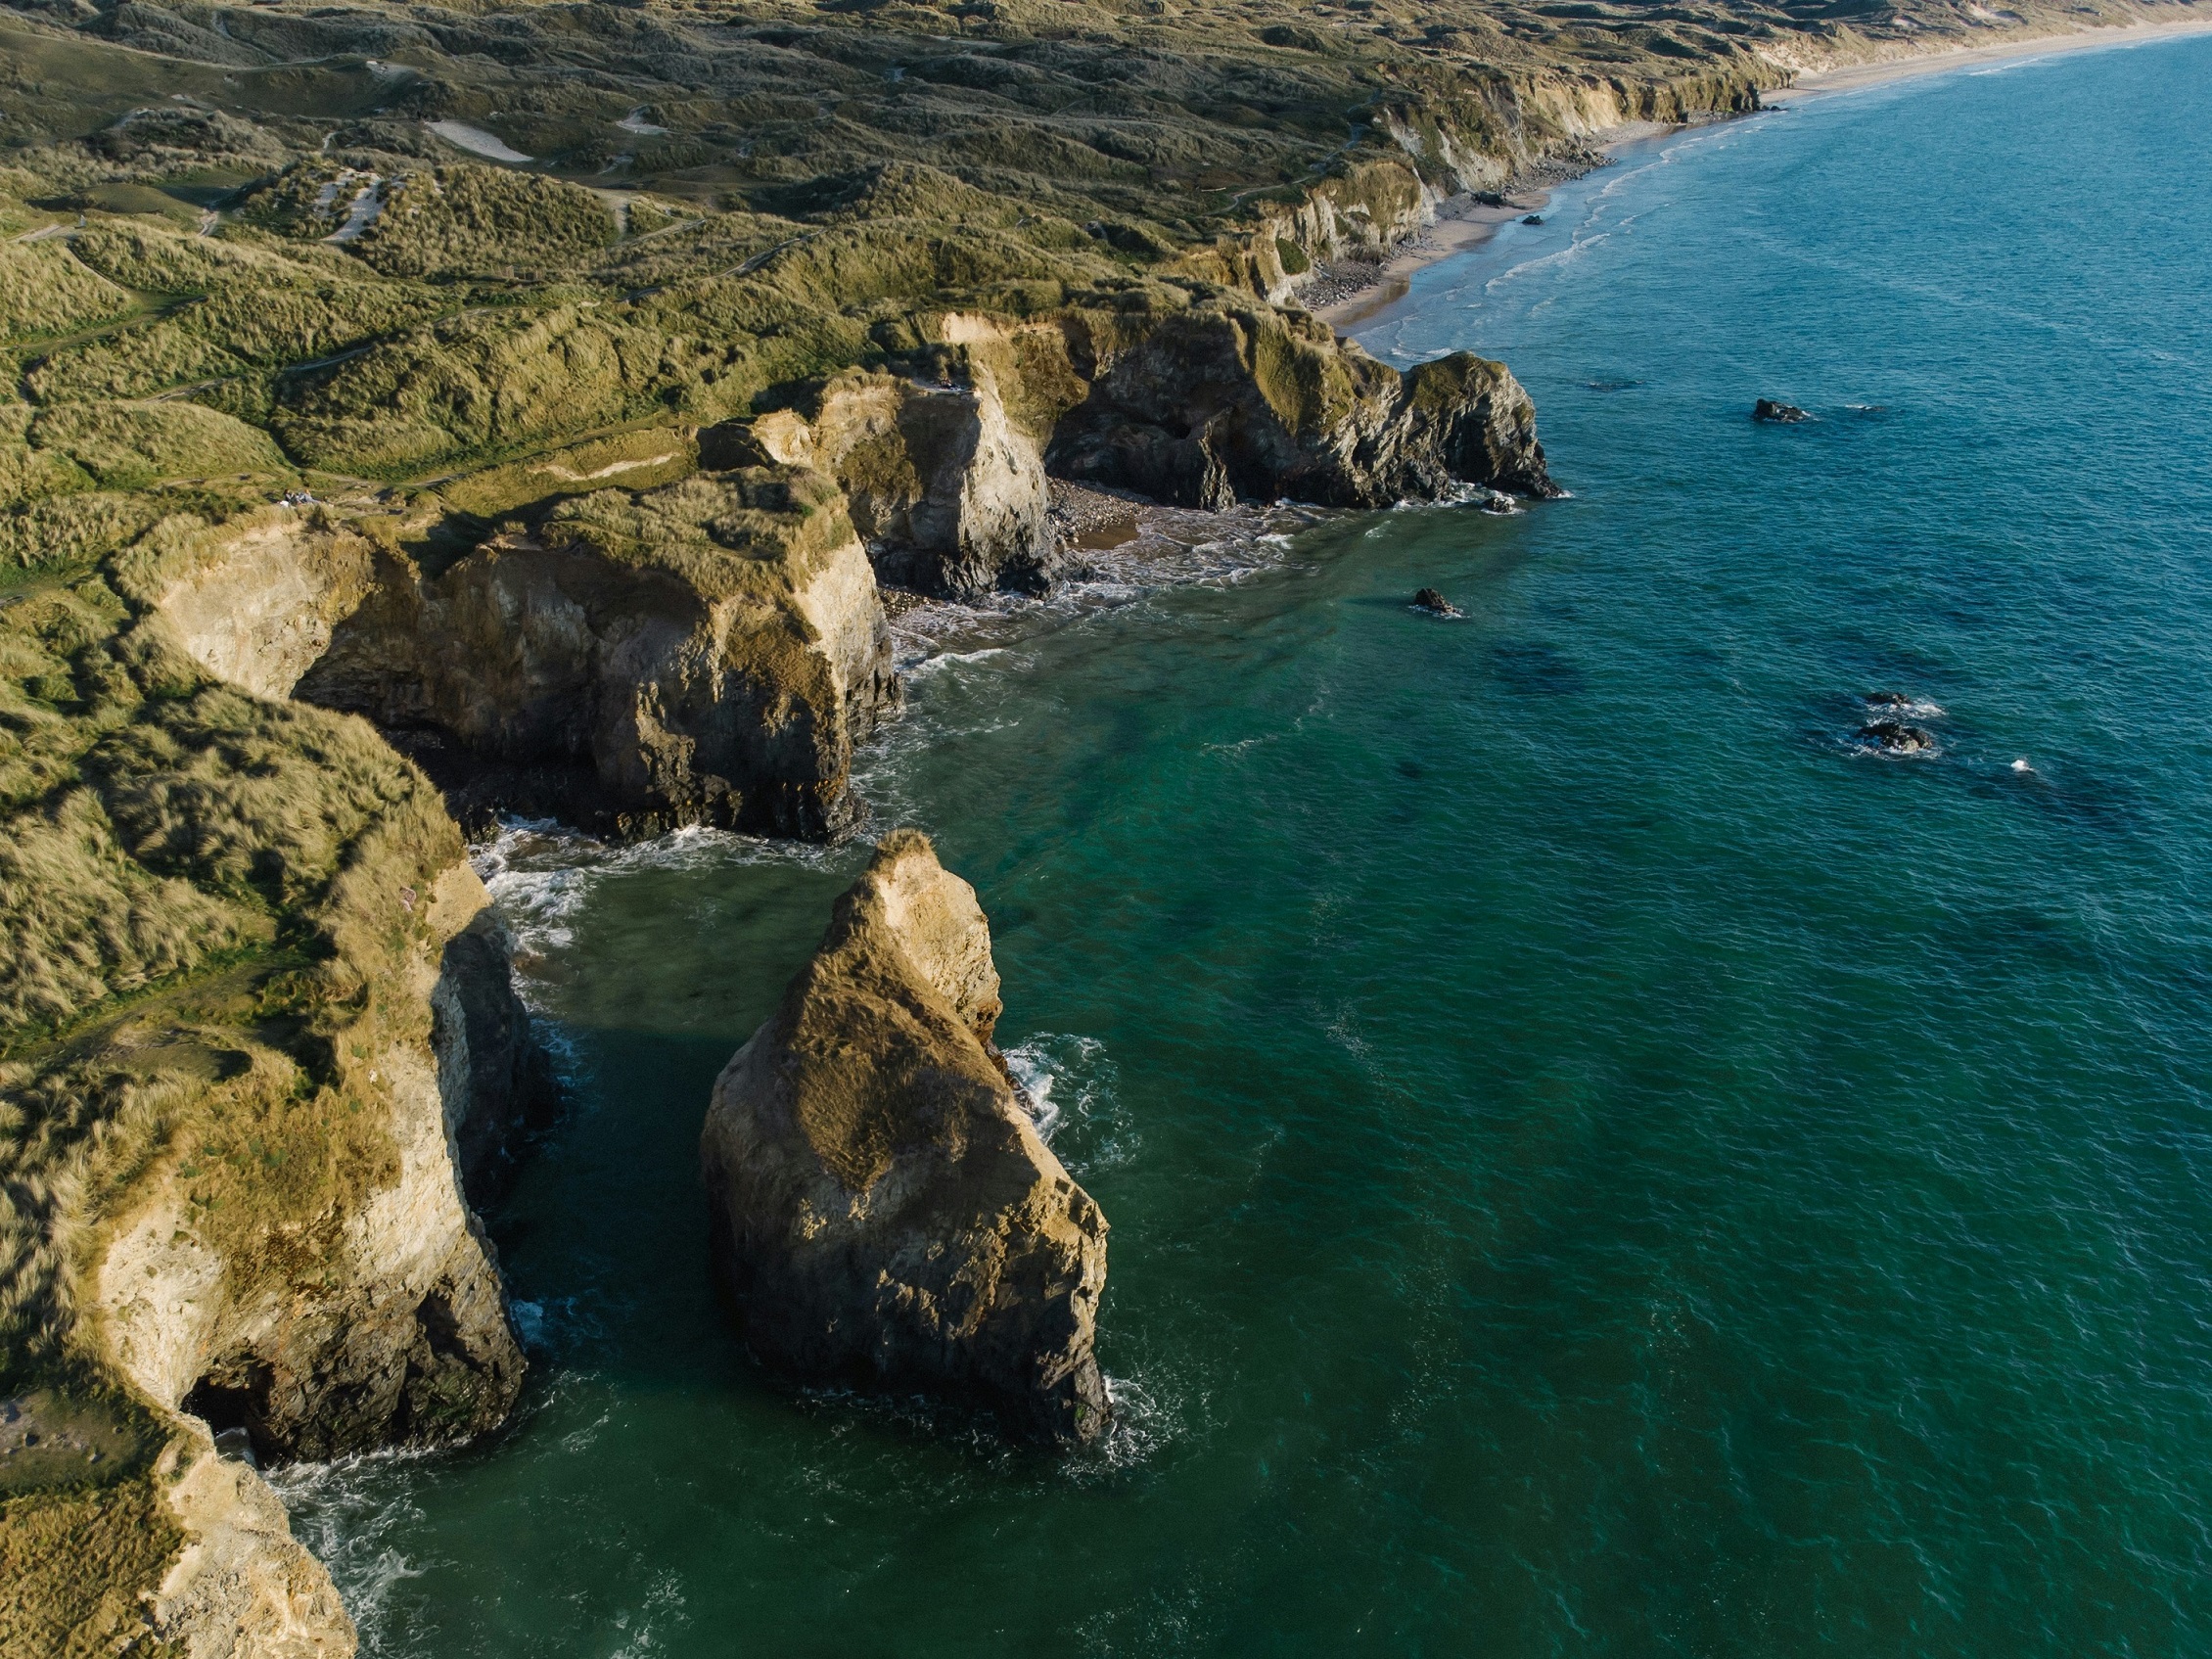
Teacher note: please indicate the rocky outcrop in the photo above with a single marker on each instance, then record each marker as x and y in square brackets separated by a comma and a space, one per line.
[1895, 737]
[710, 652]
[381, 1321]
[1213, 403]
[948, 492]
[255, 604]
[1780, 414]
[884, 1210]
[243, 1587]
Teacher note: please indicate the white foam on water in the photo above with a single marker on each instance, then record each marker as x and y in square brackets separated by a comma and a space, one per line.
[664, 1607]
[542, 875]
[953, 659]
[1073, 1093]
[346, 1512]
[538, 873]
[529, 1323]
[1149, 1413]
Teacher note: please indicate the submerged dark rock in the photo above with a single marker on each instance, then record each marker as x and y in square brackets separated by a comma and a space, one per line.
[1533, 219]
[883, 1211]
[1895, 737]
[1782, 414]
[1428, 599]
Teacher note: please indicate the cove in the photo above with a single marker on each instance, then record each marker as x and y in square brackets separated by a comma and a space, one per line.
[1599, 1161]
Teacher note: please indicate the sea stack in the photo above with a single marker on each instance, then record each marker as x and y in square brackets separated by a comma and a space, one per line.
[884, 1210]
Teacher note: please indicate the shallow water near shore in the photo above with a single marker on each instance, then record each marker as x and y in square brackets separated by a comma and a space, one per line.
[1599, 1161]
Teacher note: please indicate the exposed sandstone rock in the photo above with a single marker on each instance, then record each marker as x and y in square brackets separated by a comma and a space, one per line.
[947, 490]
[255, 604]
[241, 1587]
[883, 1211]
[382, 1322]
[1206, 406]
[708, 652]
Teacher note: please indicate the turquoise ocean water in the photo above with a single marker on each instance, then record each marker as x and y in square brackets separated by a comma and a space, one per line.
[1599, 1164]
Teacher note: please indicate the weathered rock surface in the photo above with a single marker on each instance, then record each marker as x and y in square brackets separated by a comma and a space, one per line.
[383, 1322]
[243, 1587]
[1896, 737]
[255, 606]
[948, 492]
[1429, 599]
[884, 1210]
[1212, 405]
[709, 652]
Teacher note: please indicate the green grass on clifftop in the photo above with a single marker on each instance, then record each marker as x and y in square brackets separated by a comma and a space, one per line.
[237, 256]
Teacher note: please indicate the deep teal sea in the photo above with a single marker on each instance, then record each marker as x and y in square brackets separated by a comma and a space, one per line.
[1599, 1164]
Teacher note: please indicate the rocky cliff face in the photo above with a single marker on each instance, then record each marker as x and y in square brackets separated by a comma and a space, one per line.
[946, 491]
[243, 1587]
[1199, 399]
[1214, 403]
[255, 606]
[883, 1211]
[380, 1320]
[710, 652]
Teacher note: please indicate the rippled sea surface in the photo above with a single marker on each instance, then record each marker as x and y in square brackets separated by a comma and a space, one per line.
[1599, 1162]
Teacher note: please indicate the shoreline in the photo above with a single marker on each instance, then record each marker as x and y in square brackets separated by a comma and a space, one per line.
[1468, 226]
[1475, 224]
[1854, 77]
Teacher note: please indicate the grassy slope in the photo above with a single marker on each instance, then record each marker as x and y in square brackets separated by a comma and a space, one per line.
[196, 886]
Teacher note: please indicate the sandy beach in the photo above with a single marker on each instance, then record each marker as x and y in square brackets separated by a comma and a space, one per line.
[1472, 224]
[1854, 76]
[1461, 224]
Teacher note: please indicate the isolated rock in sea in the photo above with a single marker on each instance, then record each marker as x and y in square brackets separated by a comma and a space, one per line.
[1887, 700]
[1428, 599]
[946, 491]
[883, 1211]
[1782, 414]
[1209, 405]
[1532, 219]
[1895, 737]
[709, 652]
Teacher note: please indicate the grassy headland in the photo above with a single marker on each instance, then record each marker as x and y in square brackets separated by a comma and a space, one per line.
[252, 249]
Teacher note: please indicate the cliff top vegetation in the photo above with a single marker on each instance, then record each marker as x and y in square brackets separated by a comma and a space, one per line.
[447, 262]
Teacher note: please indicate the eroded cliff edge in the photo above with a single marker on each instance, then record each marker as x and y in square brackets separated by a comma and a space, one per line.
[247, 980]
[883, 1211]
[257, 1024]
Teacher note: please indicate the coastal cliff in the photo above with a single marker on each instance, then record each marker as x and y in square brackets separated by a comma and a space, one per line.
[255, 1006]
[884, 1210]
[577, 475]
[709, 652]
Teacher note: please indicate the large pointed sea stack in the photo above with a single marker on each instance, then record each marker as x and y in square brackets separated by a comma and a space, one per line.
[884, 1210]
